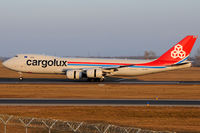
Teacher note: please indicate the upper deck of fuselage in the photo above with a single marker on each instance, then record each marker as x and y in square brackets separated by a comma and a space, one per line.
[80, 59]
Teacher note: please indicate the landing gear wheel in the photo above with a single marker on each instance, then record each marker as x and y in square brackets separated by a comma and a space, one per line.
[95, 79]
[101, 79]
[20, 78]
[91, 79]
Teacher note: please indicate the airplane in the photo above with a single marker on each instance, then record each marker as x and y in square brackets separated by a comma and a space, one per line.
[96, 69]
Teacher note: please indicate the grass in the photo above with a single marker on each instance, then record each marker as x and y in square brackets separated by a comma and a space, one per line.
[179, 119]
[100, 91]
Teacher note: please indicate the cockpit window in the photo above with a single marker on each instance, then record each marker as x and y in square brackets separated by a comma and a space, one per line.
[16, 55]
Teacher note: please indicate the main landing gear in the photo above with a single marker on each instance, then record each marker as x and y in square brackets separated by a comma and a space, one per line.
[95, 79]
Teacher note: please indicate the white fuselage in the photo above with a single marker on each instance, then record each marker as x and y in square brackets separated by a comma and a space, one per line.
[50, 64]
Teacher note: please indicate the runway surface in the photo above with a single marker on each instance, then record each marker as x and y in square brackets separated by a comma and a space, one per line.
[107, 81]
[99, 102]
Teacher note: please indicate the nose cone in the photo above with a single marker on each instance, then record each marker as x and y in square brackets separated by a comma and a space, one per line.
[7, 64]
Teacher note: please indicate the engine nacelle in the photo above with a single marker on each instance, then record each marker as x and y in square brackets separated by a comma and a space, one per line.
[74, 74]
[94, 73]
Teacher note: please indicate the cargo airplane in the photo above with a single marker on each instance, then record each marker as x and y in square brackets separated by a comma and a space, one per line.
[97, 69]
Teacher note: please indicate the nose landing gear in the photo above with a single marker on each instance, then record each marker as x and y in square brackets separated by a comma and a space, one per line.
[20, 76]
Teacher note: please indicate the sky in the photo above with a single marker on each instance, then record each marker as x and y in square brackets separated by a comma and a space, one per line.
[96, 27]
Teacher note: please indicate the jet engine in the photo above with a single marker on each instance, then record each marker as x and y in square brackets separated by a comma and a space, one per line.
[94, 73]
[74, 74]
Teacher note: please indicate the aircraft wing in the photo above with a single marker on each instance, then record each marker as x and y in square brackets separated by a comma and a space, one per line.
[115, 68]
[105, 70]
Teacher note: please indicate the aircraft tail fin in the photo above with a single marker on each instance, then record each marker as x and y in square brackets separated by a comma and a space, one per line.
[177, 54]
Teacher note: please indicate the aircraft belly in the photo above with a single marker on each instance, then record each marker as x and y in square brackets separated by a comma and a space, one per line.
[143, 71]
[137, 71]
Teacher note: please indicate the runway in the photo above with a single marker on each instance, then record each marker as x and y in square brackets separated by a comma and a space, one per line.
[107, 81]
[99, 102]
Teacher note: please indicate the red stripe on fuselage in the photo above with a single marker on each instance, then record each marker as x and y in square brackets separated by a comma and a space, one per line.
[119, 64]
[100, 63]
